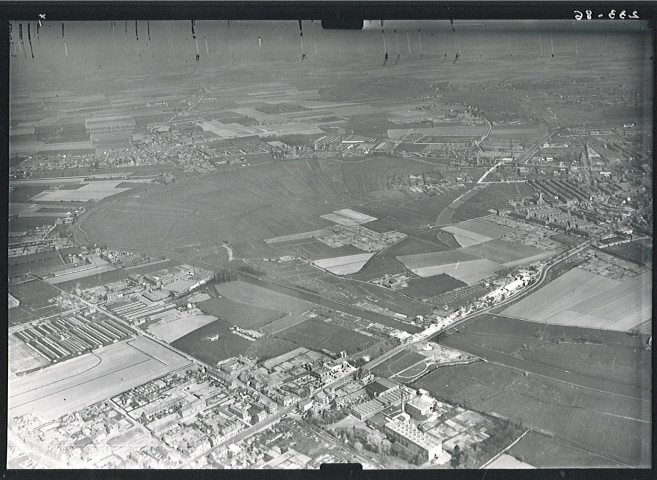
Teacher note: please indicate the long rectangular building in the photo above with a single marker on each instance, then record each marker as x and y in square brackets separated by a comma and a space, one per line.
[417, 442]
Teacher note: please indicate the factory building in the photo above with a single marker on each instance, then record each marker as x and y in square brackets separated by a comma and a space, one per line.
[415, 441]
[420, 407]
[380, 386]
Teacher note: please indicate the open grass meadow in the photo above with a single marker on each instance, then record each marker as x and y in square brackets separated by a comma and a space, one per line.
[265, 300]
[609, 355]
[33, 297]
[241, 314]
[319, 335]
[246, 206]
[432, 286]
[615, 426]
[542, 451]
[269, 347]
[212, 343]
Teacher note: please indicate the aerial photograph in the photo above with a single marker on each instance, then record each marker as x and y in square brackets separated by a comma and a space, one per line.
[250, 244]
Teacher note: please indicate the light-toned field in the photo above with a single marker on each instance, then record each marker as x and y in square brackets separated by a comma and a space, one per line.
[468, 272]
[299, 236]
[22, 357]
[354, 215]
[180, 327]
[282, 323]
[585, 299]
[254, 295]
[13, 301]
[344, 265]
[92, 191]
[335, 218]
[72, 385]
[466, 237]
[476, 231]
[508, 462]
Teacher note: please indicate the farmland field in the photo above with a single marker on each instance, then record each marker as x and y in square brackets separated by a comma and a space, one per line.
[432, 286]
[33, 297]
[548, 452]
[74, 384]
[21, 224]
[617, 426]
[23, 193]
[597, 302]
[243, 315]
[344, 265]
[33, 262]
[470, 272]
[568, 240]
[494, 196]
[318, 335]
[282, 323]
[199, 345]
[483, 227]
[605, 354]
[449, 257]
[173, 330]
[249, 294]
[91, 191]
[633, 251]
[22, 357]
[16, 208]
[266, 202]
[501, 251]
[269, 347]
[379, 266]
[418, 243]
